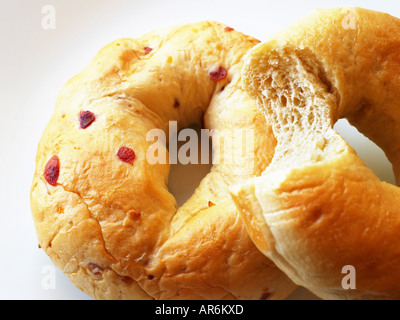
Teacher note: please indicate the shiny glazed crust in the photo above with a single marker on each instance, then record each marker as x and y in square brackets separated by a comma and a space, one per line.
[112, 226]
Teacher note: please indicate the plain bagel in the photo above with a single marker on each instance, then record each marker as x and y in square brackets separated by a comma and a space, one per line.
[104, 214]
[318, 210]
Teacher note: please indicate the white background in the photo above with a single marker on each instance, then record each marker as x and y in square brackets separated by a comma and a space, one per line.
[34, 65]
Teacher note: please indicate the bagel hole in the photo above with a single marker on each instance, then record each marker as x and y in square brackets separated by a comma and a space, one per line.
[185, 178]
[367, 150]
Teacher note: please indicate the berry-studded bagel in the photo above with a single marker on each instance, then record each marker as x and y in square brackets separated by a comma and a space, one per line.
[318, 211]
[102, 211]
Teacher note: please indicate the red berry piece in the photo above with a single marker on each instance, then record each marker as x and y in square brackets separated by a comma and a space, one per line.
[176, 104]
[52, 170]
[126, 154]
[86, 118]
[219, 74]
[147, 50]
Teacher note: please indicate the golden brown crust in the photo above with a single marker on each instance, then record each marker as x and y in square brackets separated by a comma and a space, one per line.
[318, 208]
[112, 226]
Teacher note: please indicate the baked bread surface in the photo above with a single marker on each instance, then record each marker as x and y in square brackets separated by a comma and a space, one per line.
[318, 208]
[112, 226]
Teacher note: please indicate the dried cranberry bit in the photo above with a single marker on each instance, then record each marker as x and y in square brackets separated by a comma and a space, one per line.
[126, 154]
[265, 295]
[52, 171]
[176, 104]
[86, 118]
[134, 214]
[127, 280]
[147, 50]
[95, 268]
[228, 29]
[218, 74]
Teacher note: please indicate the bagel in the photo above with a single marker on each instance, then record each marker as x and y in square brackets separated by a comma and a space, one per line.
[103, 213]
[318, 210]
